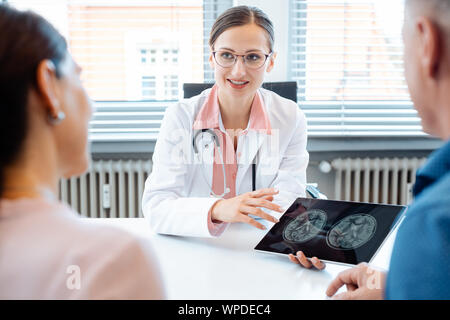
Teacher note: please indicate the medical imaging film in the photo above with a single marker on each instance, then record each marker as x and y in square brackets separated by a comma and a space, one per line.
[305, 226]
[352, 231]
[339, 231]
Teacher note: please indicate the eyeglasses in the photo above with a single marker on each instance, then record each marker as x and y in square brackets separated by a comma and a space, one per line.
[253, 60]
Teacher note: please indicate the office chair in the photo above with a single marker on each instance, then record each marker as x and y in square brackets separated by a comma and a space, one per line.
[287, 89]
[314, 192]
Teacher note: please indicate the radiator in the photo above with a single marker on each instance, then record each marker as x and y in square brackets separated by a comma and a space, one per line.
[114, 188]
[385, 180]
[109, 189]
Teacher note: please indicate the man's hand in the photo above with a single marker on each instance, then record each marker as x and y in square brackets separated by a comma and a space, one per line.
[363, 283]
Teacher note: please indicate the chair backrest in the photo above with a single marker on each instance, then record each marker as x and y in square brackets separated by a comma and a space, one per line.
[287, 89]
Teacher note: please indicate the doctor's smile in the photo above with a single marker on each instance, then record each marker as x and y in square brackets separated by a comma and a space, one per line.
[237, 84]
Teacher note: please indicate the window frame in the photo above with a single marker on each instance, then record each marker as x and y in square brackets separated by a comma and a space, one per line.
[106, 108]
[342, 114]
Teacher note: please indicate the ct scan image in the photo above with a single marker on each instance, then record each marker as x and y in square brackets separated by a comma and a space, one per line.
[306, 226]
[332, 230]
[352, 232]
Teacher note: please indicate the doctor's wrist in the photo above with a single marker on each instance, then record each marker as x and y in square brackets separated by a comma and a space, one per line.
[214, 213]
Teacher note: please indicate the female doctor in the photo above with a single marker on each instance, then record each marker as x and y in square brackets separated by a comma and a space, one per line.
[235, 151]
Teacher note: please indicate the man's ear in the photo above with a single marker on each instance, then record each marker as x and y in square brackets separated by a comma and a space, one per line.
[430, 46]
[47, 86]
[271, 63]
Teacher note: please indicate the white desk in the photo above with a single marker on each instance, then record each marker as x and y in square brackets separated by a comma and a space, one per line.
[228, 268]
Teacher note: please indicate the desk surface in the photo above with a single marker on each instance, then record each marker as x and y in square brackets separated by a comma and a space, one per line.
[228, 268]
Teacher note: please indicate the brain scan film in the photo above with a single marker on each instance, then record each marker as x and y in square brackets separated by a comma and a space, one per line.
[352, 232]
[305, 226]
[335, 231]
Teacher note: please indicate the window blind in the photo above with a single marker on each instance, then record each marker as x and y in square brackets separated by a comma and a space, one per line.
[135, 55]
[211, 10]
[347, 59]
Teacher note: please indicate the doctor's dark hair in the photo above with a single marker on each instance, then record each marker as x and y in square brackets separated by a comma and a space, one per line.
[26, 40]
[240, 16]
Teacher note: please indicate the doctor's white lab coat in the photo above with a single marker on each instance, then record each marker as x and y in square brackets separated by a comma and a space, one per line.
[176, 197]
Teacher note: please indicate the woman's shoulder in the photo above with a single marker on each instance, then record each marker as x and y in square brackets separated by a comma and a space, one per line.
[107, 253]
[65, 224]
[94, 235]
[100, 252]
[186, 109]
[281, 109]
[56, 222]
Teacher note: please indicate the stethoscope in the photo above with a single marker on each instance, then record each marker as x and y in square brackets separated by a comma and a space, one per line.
[215, 140]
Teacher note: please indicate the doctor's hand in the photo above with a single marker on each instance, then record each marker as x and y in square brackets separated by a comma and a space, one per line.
[301, 259]
[238, 208]
[363, 283]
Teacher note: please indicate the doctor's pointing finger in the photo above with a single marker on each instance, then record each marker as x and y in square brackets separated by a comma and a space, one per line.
[238, 208]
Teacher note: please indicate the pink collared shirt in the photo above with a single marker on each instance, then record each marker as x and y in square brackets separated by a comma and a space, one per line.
[209, 118]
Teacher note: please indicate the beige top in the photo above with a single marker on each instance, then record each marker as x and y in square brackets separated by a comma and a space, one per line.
[48, 252]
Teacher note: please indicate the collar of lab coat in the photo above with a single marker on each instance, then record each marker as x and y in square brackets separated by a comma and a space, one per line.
[209, 114]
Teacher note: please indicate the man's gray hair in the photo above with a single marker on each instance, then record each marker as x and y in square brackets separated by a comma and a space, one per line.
[439, 8]
[439, 11]
[437, 4]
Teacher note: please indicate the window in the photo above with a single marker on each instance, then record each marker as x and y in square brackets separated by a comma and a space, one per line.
[132, 51]
[347, 59]
[148, 56]
[171, 86]
[159, 70]
[346, 56]
[148, 88]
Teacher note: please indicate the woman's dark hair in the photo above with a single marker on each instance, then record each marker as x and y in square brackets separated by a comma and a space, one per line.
[239, 16]
[26, 40]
